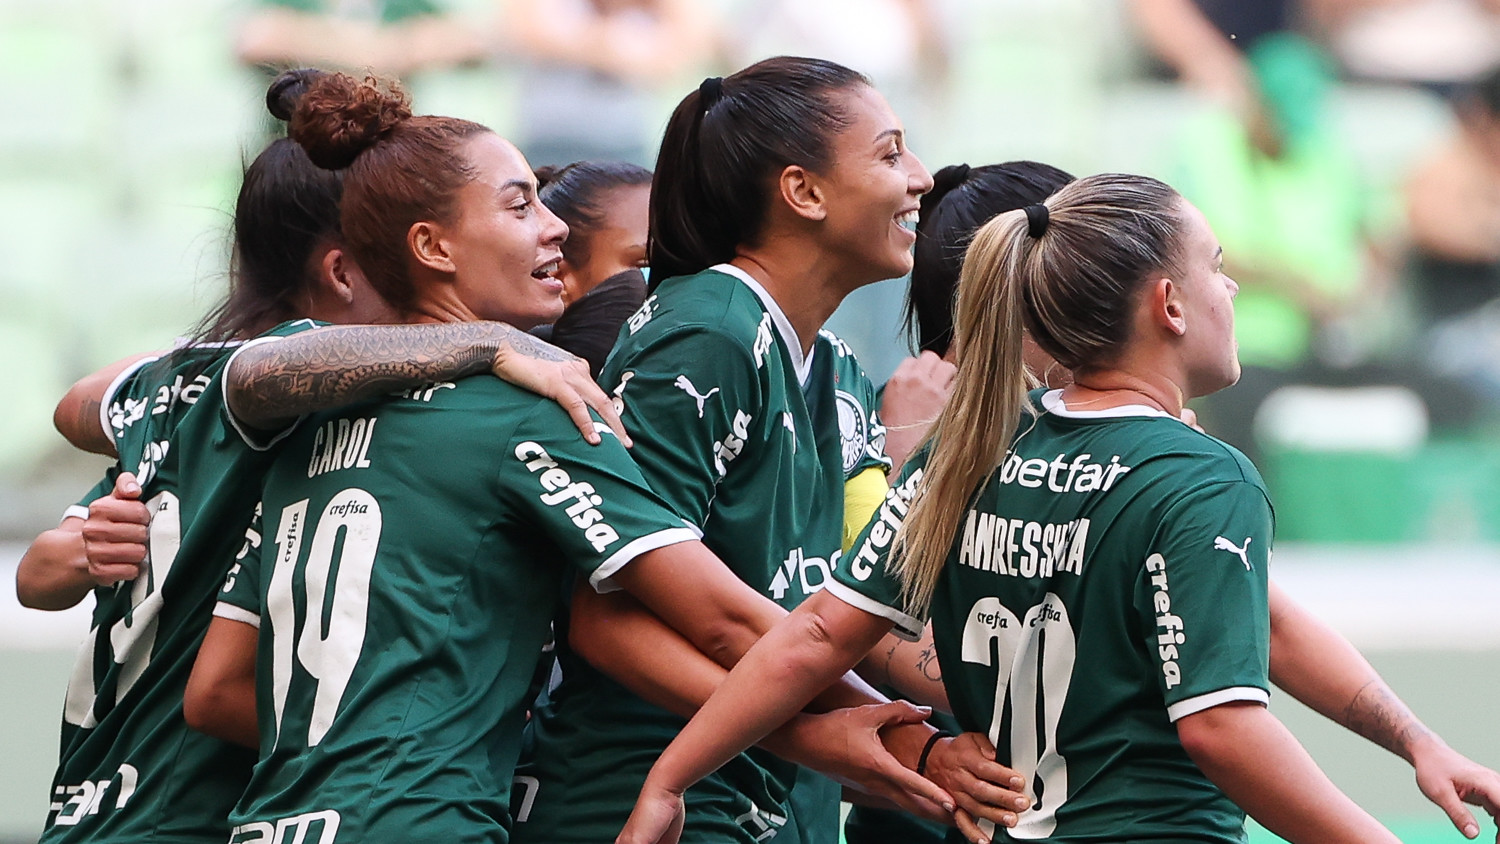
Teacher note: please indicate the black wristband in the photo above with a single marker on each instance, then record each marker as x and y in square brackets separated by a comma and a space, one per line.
[932, 741]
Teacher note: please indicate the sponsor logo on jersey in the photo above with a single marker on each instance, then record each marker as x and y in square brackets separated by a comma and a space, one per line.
[790, 424]
[682, 383]
[617, 398]
[341, 444]
[765, 340]
[73, 803]
[854, 429]
[126, 412]
[169, 394]
[1020, 548]
[795, 568]
[836, 342]
[306, 828]
[1061, 474]
[727, 449]
[252, 543]
[642, 315]
[1170, 630]
[883, 531]
[1243, 552]
[559, 488]
[760, 823]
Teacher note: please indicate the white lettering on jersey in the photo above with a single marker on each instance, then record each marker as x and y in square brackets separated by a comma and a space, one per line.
[883, 531]
[323, 825]
[760, 823]
[1019, 548]
[797, 564]
[1222, 544]
[425, 394]
[642, 315]
[73, 803]
[765, 338]
[169, 394]
[790, 425]
[682, 383]
[126, 412]
[1171, 626]
[559, 487]
[1061, 475]
[727, 449]
[342, 444]
[617, 398]
[151, 459]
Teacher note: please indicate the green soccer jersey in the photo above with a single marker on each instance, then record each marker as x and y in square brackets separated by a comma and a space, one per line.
[741, 436]
[130, 769]
[1108, 580]
[413, 556]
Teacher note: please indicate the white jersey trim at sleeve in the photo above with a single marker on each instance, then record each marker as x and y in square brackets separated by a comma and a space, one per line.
[114, 387]
[907, 627]
[1184, 708]
[601, 579]
[234, 613]
[74, 511]
[251, 439]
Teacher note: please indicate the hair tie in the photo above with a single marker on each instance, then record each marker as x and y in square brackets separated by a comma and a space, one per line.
[1037, 217]
[709, 93]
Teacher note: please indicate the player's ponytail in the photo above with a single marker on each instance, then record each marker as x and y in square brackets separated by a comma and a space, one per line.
[1069, 271]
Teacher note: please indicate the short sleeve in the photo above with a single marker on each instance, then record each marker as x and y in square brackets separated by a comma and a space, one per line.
[1202, 599]
[106, 485]
[862, 578]
[127, 400]
[259, 439]
[240, 598]
[689, 399]
[590, 500]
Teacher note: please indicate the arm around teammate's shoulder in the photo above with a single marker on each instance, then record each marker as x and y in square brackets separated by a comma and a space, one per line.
[1250, 755]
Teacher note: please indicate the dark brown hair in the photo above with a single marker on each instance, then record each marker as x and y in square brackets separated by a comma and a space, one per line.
[398, 169]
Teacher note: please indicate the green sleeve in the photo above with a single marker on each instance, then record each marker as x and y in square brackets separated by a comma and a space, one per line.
[690, 400]
[590, 500]
[1201, 596]
[862, 578]
[240, 597]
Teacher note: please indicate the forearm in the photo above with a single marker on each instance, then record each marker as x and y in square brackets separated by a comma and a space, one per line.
[1321, 669]
[911, 668]
[1257, 763]
[53, 573]
[775, 680]
[219, 699]
[332, 367]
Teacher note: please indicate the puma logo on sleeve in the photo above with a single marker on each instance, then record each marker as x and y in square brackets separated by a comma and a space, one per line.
[682, 383]
[1222, 544]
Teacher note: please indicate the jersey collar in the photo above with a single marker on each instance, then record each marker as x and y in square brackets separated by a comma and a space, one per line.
[1052, 402]
[801, 365]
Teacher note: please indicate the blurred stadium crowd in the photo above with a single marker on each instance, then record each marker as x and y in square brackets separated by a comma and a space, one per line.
[1347, 151]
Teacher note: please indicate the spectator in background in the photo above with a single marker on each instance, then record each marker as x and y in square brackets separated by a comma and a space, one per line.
[390, 36]
[594, 65]
[1453, 205]
[604, 204]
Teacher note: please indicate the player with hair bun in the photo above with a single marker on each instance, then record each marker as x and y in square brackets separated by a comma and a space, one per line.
[414, 545]
[154, 540]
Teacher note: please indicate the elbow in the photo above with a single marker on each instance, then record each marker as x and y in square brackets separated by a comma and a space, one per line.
[202, 704]
[728, 637]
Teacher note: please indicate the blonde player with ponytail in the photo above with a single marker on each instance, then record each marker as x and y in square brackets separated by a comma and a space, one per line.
[1094, 569]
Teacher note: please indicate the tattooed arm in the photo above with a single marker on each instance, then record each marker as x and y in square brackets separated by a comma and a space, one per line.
[77, 416]
[910, 668]
[1320, 668]
[270, 384]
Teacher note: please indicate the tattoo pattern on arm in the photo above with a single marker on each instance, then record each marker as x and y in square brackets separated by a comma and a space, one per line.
[333, 367]
[1378, 715]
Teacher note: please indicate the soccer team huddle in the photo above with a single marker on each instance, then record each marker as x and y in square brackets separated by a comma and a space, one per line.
[376, 564]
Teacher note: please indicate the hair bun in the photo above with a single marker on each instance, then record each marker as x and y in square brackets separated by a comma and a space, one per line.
[284, 94]
[340, 116]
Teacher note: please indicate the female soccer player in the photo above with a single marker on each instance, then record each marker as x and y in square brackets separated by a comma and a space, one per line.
[1308, 659]
[168, 520]
[1095, 569]
[604, 204]
[414, 545]
[778, 191]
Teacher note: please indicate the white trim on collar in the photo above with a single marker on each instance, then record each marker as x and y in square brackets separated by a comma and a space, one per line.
[802, 366]
[1052, 402]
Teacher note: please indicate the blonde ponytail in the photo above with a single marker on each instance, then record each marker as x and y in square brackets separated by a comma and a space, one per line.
[974, 430]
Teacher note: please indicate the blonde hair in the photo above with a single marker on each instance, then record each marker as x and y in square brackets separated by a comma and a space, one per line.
[1074, 288]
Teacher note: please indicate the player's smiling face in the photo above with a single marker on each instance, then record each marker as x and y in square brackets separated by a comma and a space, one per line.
[871, 190]
[1207, 296]
[504, 244]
